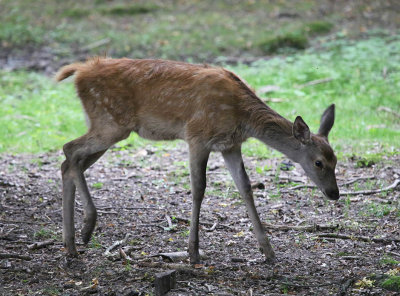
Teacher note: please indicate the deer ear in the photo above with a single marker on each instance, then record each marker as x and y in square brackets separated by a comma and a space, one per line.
[327, 120]
[301, 131]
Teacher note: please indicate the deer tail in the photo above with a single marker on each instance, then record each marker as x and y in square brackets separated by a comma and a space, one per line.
[67, 71]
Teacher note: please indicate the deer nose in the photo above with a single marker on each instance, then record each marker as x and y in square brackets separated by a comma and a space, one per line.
[332, 194]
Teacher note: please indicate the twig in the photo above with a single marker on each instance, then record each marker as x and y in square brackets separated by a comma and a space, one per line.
[212, 228]
[17, 256]
[168, 218]
[39, 245]
[360, 238]
[394, 254]
[314, 82]
[299, 187]
[96, 44]
[342, 193]
[177, 256]
[115, 245]
[204, 223]
[387, 109]
[125, 256]
[367, 192]
[308, 228]
[24, 222]
[357, 179]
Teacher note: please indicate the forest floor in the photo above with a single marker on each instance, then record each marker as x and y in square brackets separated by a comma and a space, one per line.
[347, 247]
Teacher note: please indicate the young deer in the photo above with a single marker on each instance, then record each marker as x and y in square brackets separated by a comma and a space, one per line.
[210, 108]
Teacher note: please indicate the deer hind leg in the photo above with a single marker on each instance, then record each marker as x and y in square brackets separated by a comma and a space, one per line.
[80, 155]
[198, 165]
[234, 162]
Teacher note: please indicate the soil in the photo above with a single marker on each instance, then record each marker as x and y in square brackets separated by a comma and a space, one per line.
[137, 192]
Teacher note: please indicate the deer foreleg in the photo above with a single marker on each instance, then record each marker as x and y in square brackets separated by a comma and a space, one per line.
[234, 162]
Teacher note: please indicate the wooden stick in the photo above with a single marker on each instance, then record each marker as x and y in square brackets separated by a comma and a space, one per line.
[95, 44]
[39, 245]
[360, 238]
[343, 193]
[308, 228]
[115, 245]
[314, 82]
[368, 192]
[17, 256]
[357, 179]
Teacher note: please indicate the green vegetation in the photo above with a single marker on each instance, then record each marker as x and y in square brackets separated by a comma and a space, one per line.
[95, 242]
[293, 38]
[392, 283]
[38, 115]
[44, 233]
[98, 185]
[158, 28]
[387, 259]
[356, 85]
[389, 281]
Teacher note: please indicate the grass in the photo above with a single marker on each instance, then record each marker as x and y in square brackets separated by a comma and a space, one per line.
[358, 88]
[153, 28]
[37, 115]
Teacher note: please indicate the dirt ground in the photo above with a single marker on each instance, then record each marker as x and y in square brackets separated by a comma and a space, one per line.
[138, 191]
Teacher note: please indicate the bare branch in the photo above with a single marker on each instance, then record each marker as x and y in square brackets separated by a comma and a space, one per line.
[314, 82]
[16, 256]
[367, 192]
[116, 245]
[39, 245]
[359, 238]
[308, 228]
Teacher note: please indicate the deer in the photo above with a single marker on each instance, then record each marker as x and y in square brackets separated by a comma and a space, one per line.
[209, 107]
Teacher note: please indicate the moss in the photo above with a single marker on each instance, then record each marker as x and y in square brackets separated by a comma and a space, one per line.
[392, 283]
[318, 27]
[293, 40]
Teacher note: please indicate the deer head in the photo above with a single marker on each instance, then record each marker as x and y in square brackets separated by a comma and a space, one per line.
[316, 156]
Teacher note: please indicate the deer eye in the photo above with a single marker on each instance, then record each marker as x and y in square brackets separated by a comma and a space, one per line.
[318, 164]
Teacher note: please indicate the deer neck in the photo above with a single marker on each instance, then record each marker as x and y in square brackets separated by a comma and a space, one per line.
[275, 131]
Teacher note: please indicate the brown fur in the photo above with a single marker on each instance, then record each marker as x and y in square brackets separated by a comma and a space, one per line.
[167, 100]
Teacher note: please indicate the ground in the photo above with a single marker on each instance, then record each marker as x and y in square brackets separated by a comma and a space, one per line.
[348, 247]
[137, 192]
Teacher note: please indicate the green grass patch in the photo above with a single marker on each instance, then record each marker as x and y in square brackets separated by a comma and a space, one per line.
[17, 30]
[293, 38]
[284, 41]
[357, 86]
[392, 283]
[142, 29]
[318, 27]
[388, 260]
[387, 281]
[38, 115]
